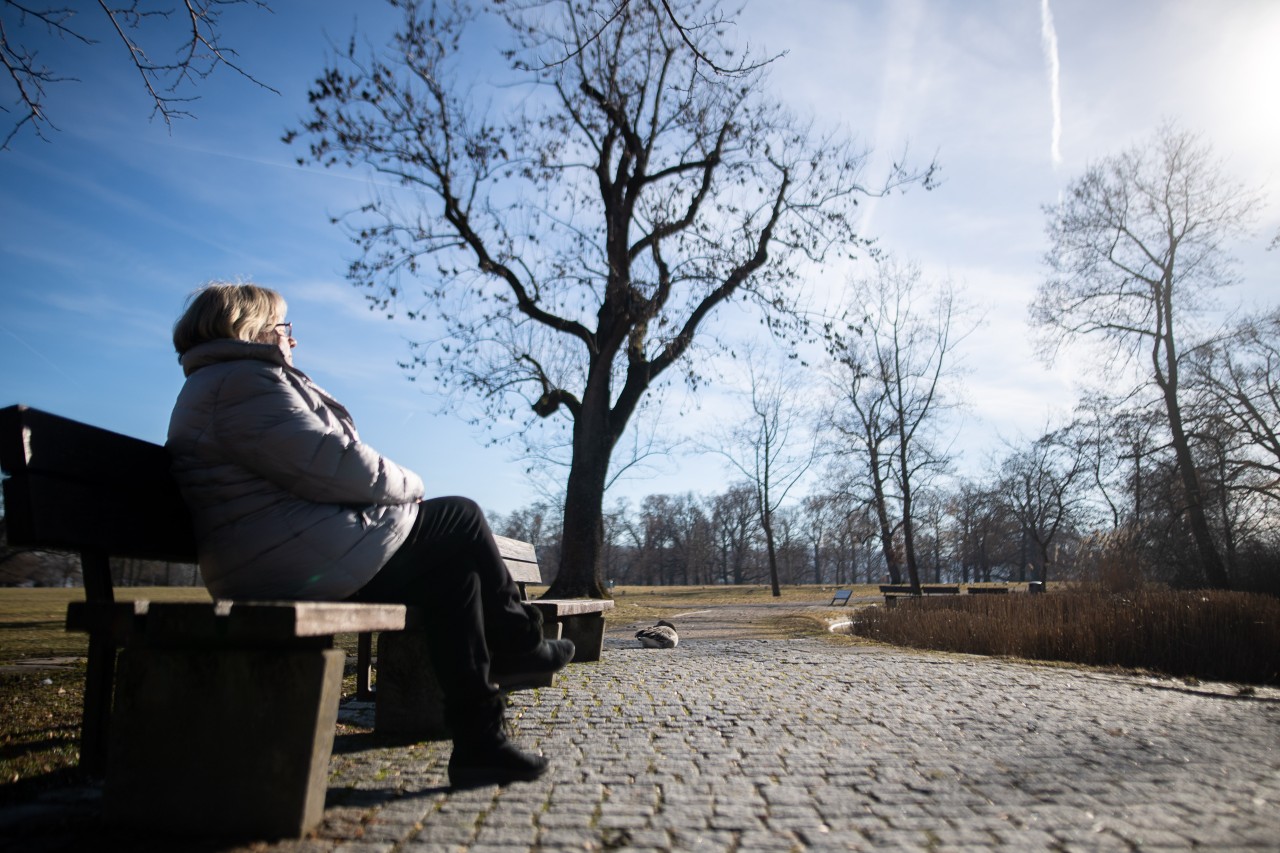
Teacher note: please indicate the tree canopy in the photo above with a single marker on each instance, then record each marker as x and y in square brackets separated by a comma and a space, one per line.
[170, 46]
[1136, 245]
[569, 230]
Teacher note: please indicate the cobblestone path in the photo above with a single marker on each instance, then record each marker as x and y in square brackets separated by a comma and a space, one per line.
[789, 745]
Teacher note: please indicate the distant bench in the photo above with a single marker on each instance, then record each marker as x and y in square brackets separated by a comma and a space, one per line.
[224, 712]
[892, 592]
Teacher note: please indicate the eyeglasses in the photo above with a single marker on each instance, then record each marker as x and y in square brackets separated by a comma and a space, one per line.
[286, 327]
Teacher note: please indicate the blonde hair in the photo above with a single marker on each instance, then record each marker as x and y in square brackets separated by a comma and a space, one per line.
[221, 310]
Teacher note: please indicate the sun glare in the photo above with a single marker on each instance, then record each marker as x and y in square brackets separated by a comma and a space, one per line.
[1243, 79]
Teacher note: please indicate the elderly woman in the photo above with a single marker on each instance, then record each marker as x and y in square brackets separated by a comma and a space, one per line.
[288, 503]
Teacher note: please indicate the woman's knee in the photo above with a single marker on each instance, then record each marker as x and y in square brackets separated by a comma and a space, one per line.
[456, 515]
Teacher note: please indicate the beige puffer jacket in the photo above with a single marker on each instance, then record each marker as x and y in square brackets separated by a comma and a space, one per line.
[286, 501]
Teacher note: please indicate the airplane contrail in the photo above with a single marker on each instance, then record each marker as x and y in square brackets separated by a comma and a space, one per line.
[38, 354]
[1049, 40]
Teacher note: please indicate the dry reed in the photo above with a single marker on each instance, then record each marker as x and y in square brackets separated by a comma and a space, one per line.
[1220, 636]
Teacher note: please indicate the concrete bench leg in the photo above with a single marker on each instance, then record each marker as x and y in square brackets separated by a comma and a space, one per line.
[226, 742]
[587, 633]
[408, 696]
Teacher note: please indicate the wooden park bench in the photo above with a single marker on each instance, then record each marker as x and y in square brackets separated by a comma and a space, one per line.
[841, 597]
[987, 590]
[892, 592]
[224, 712]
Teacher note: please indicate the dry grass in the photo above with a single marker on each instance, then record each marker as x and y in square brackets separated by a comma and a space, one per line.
[31, 620]
[1218, 636]
[649, 603]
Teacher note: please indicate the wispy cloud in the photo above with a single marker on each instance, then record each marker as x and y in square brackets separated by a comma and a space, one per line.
[1049, 41]
[40, 355]
[897, 88]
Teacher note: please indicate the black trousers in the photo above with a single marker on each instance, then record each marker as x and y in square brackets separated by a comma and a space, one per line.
[450, 566]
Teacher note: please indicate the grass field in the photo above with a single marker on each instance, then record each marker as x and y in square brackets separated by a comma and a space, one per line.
[31, 620]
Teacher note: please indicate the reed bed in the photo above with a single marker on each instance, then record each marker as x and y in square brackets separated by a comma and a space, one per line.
[1217, 636]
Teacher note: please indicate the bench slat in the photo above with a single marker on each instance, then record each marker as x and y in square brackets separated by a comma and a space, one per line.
[124, 520]
[522, 572]
[514, 549]
[32, 440]
[266, 621]
[572, 606]
[120, 619]
[73, 486]
[521, 559]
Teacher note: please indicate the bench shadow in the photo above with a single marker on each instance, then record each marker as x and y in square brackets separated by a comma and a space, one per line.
[350, 742]
[370, 797]
[32, 787]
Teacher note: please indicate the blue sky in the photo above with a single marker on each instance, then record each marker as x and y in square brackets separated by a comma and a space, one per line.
[115, 219]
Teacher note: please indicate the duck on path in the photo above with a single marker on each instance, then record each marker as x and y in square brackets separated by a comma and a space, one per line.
[660, 636]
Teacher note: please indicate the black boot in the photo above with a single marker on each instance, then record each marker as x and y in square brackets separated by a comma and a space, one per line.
[482, 754]
[532, 668]
[511, 635]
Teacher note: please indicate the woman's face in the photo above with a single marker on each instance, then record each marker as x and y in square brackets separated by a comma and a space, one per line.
[279, 333]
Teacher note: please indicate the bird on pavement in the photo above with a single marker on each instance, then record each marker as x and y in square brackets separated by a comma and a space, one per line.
[660, 636]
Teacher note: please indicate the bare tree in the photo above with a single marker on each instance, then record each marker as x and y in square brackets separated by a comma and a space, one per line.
[861, 419]
[821, 517]
[982, 528]
[573, 243]
[1237, 380]
[772, 447]
[688, 29]
[853, 535]
[893, 361]
[1041, 486]
[170, 46]
[735, 522]
[1137, 242]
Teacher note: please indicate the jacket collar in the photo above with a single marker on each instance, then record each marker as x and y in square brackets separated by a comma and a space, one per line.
[228, 349]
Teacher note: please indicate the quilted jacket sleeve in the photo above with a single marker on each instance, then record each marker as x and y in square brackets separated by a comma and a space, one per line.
[264, 423]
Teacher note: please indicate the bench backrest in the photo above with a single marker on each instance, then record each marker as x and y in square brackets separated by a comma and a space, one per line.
[76, 487]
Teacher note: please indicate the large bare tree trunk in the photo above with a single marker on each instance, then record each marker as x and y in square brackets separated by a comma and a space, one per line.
[882, 519]
[908, 521]
[582, 544]
[766, 521]
[1210, 560]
